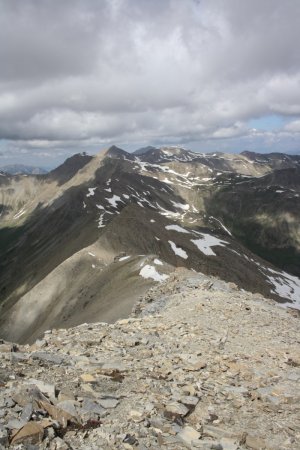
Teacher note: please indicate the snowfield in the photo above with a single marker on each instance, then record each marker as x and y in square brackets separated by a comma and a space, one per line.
[178, 250]
[177, 228]
[286, 286]
[150, 272]
[91, 192]
[207, 241]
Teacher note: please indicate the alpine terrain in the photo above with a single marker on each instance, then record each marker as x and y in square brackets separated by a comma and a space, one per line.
[150, 301]
[83, 242]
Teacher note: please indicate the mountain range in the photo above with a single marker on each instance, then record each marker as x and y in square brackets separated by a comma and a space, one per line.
[17, 169]
[83, 242]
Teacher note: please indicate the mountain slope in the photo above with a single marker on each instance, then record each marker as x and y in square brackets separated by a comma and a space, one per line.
[264, 214]
[168, 204]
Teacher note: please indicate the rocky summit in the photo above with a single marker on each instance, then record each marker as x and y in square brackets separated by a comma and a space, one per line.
[199, 364]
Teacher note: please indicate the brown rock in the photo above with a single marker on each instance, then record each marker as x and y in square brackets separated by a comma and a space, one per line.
[62, 417]
[87, 378]
[31, 433]
[255, 443]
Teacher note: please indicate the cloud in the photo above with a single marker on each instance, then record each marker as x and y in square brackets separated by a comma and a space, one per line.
[293, 126]
[136, 71]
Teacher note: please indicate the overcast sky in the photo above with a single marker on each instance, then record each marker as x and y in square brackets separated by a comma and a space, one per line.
[210, 75]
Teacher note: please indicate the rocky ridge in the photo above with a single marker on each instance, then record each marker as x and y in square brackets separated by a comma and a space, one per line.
[200, 364]
[62, 233]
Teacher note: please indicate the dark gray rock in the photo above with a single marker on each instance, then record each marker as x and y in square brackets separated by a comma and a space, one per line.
[27, 412]
[91, 406]
[50, 358]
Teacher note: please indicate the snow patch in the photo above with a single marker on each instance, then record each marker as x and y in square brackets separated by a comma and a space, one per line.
[101, 221]
[114, 200]
[222, 225]
[207, 241]
[178, 250]
[20, 213]
[124, 258]
[183, 206]
[176, 228]
[286, 286]
[91, 192]
[158, 262]
[150, 272]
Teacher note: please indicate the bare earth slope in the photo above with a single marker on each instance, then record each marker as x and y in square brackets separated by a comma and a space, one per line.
[200, 365]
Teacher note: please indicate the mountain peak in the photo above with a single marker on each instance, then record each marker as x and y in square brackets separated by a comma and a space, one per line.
[69, 167]
[115, 151]
[143, 150]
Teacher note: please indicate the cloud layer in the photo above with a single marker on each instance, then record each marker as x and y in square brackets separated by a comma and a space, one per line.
[84, 74]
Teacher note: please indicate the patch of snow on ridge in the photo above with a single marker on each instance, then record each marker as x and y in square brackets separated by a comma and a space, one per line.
[19, 214]
[158, 262]
[101, 221]
[286, 286]
[114, 200]
[123, 258]
[176, 228]
[91, 192]
[222, 225]
[150, 272]
[178, 250]
[183, 206]
[166, 212]
[207, 241]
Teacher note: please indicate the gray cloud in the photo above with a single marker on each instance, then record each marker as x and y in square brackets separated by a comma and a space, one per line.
[88, 73]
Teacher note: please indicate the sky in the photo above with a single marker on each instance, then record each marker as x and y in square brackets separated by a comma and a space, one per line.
[208, 75]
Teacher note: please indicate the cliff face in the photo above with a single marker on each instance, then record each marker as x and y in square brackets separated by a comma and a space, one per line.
[199, 364]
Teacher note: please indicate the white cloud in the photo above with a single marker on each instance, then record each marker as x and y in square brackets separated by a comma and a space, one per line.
[293, 126]
[135, 71]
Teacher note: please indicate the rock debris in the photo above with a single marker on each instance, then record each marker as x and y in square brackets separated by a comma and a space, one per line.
[198, 365]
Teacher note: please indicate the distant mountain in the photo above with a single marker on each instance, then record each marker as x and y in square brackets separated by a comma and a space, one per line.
[88, 238]
[19, 169]
[143, 150]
